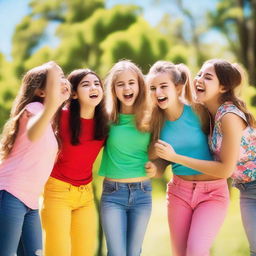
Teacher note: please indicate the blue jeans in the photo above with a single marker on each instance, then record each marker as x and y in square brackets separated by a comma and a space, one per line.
[248, 212]
[19, 227]
[125, 211]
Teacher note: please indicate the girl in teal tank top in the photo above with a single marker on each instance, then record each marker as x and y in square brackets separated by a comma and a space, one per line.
[125, 205]
[197, 202]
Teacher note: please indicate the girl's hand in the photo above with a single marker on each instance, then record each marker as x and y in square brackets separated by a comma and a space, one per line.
[57, 89]
[151, 169]
[165, 151]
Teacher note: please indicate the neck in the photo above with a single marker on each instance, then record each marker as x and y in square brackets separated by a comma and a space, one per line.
[126, 109]
[87, 112]
[212, 107]
[174, 112]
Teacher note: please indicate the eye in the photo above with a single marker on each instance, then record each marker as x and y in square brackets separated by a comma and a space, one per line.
[97, 84]
[152, 88]
[164, 86]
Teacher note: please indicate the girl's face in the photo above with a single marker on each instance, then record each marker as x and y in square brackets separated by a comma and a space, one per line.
[89, 91]
[126, 88]
[163, 91]
[207, 85]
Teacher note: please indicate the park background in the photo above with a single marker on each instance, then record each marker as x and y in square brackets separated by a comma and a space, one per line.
[97, 33]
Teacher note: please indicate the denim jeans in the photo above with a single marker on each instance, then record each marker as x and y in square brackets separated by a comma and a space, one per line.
[20, 227]
[248, 212]
[125, 212]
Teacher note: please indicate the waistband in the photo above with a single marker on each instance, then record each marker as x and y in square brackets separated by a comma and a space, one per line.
[63, 184]
[200, 184]
[134, 185]
[245, 185]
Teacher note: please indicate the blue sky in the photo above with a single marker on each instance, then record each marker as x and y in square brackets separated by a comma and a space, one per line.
[12, 11]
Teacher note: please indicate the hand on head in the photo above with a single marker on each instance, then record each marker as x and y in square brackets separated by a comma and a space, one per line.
[57, 88]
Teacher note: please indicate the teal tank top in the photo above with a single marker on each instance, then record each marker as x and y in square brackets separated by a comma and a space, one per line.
[187, 138]
[126, 150]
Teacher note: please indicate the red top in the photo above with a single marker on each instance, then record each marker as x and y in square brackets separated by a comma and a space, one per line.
[75, 162]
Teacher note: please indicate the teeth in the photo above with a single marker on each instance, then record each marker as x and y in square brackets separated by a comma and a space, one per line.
[93, 96]
[160, 98]
[130, 94]
[198, 87]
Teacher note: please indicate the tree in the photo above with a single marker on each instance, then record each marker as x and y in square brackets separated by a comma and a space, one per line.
[236, 19]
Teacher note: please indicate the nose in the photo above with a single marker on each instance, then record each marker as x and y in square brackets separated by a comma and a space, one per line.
[198, 79]
[93, 86]
[158, 91]
[126, 86]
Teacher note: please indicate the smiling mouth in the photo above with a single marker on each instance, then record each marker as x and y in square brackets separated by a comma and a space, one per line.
[200, 88]
[93, 96]
[161, 99]
[128, 96]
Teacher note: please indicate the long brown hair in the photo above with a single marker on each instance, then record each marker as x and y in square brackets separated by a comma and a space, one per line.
[101, 119]
[141, 104]
[33, 80]
[231, 77]
[180, 75]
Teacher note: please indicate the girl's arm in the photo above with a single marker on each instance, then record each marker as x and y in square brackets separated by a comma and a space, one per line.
[56, 93]
[232, 127]
[155, 168]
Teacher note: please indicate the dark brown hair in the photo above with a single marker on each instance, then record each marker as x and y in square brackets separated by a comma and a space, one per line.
[231, 77]
[101, 119]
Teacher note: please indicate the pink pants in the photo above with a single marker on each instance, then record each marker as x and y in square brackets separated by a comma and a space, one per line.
[196, 211]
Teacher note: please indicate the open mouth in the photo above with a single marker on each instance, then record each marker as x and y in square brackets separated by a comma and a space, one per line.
[93, 96]
[199, 88]
[128, 96]
[161, 99]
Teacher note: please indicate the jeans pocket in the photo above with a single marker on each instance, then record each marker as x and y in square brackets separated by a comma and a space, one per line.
[147, 188]
[109, 188]
[56, 186]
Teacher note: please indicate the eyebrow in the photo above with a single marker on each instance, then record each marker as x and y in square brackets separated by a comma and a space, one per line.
[131, 80]
[86, 81]
[208, 74]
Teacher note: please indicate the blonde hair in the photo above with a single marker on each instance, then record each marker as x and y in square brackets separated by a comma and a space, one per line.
[180, 75]
[141, 104]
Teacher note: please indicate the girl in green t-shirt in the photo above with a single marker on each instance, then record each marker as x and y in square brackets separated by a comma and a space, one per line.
[126, 198]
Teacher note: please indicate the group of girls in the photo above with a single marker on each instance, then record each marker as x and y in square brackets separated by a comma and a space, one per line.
[58, 126]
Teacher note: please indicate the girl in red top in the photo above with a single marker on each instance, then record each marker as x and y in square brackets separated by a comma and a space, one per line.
[68, 212]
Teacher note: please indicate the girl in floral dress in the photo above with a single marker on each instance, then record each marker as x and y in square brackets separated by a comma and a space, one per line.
[232, 137]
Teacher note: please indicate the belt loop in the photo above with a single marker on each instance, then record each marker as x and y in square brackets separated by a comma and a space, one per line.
[116, 185]
[70, 187]
[142, 185]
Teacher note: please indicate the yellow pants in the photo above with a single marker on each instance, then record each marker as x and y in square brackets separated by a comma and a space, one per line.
[69, 219]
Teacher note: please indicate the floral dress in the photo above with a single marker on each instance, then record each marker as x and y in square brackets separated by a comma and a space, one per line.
[246, 164]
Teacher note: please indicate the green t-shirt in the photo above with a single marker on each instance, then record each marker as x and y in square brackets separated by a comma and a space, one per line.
[126, 150]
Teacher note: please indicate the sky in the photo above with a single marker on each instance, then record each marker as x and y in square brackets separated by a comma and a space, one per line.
[12, 11]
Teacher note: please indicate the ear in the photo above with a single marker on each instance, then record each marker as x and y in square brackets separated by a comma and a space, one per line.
[179, 88]
[222, 89]
[40, 93]
[74, 95]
